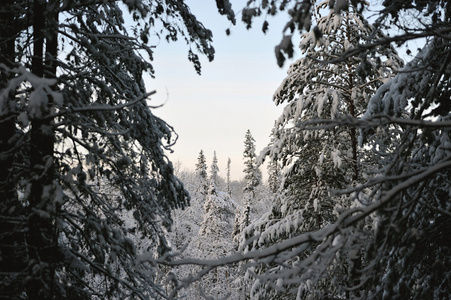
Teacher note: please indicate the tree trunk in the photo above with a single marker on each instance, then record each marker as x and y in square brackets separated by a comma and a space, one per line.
[353, 133]
[12, 243]
[42, 240]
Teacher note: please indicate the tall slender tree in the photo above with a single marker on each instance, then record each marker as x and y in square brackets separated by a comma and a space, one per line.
[202, 176]
[252, 177]
[214, 169]
[252, 174]
[274, 169]
[228, 169]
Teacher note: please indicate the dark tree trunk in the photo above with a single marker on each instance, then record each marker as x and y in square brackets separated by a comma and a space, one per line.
[42, 239]
[7, 122]
[12, 239]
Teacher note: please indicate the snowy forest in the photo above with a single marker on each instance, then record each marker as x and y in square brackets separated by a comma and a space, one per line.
[357, 202]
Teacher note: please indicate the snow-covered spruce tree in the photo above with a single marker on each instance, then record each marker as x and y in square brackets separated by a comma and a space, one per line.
[186, 222]
[218, 210]
[252, 173]
[228, 170]
[274, 169]
[252, 177]
[185, 232]
[319, 161]
[407, 127]
[202, 176]
[215, 241]
[214, 169]
[73, 107]
[212, 242]
[274, 174]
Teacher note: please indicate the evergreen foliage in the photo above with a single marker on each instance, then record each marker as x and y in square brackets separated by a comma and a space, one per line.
[274, 169]
[213, 219]
[361, 209]
[201, 172]
[214, 169]
[393, 205]
[414, 258]
[252, 177]
[252, 174]
[383, 236]
[74, 112]
[318, 161]
[229, 163]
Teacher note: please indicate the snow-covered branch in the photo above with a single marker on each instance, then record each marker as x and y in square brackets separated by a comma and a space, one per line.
[370, 122]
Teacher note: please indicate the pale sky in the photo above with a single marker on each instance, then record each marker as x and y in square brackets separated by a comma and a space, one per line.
[213, 111]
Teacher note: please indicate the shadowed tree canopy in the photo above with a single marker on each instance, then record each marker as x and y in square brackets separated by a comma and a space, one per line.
[80, 147]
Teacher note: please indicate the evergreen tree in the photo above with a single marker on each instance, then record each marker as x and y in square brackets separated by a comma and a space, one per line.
[214, 240]
[318, 160]
[242, 220]
[229, 163]
[201, 172]
[217, 213]
[73, 109]
[252, 174]
[252, 178]
[184, 236]
[412, 204]
[274, 173]
[406, 128]
[414, 197]
[213, 219]
[274, 170]
[214, 169]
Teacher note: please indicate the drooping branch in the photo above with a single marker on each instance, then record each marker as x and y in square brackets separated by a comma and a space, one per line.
[371, 122]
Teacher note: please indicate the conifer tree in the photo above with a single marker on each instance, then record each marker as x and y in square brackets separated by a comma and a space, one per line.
[274, 170]
[214, 240]
[252, 177]
[228, 169]
[214, 169]
[201, 173]
[252, 174]
[274, 174]
[318, 161]
[412, 204]
[74, 108]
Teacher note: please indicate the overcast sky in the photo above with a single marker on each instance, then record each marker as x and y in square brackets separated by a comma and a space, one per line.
[234, 93]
